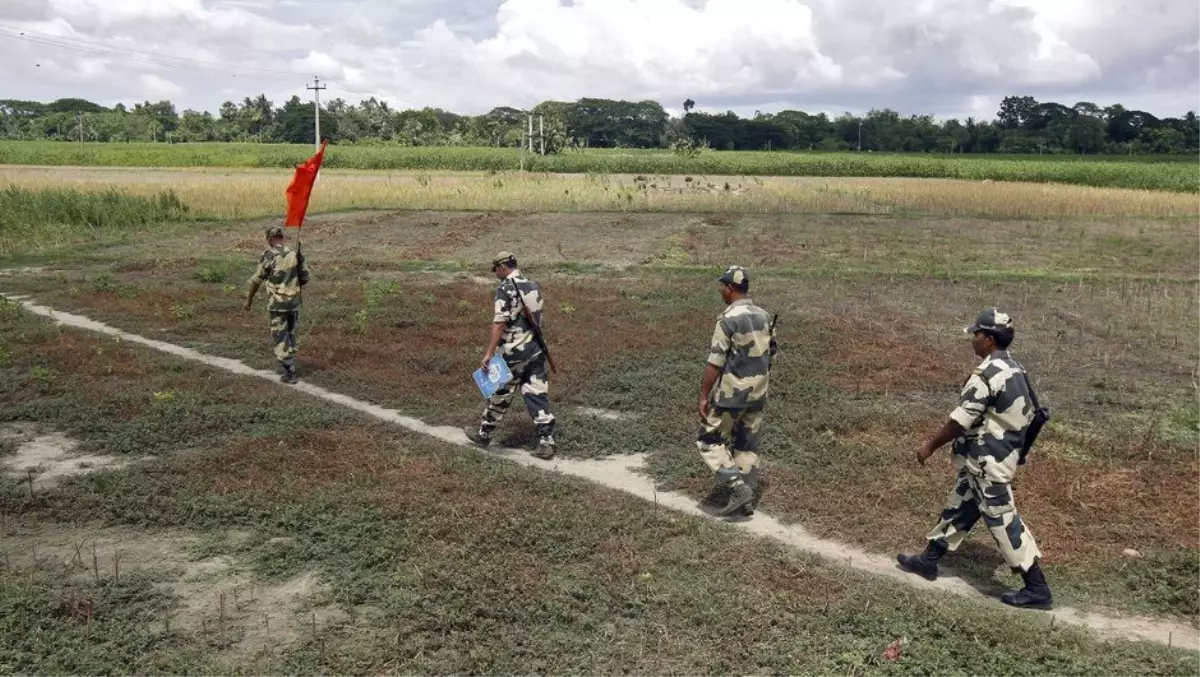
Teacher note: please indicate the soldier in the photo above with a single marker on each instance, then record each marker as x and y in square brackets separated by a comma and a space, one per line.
[988, 429]
[284, 273]
[512, 333]
[739, 364]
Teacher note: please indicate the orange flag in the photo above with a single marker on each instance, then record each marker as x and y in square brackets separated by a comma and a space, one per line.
[299, 190]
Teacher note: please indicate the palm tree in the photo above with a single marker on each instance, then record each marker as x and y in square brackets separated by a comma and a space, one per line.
[258, 113]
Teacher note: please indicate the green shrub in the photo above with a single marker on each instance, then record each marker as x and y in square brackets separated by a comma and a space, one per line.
[42, 219]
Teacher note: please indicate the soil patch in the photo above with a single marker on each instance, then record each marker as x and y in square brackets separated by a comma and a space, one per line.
[45, 459]
[27, 270]
[607, 414]
[217, 596]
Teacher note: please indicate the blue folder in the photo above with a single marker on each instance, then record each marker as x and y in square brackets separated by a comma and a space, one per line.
[496, 377]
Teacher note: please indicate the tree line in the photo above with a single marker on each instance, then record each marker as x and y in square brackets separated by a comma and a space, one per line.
[1022, 125]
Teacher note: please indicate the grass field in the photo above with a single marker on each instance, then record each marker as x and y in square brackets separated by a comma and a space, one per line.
[341, 545]
[81, 206]
[1181, 174]
[299, 539]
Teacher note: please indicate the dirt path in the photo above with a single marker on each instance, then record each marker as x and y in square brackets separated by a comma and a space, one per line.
[623, 473]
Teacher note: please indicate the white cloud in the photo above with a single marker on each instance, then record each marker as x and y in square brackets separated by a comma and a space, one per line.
[158, 88]
[933, 56]
[319, 63]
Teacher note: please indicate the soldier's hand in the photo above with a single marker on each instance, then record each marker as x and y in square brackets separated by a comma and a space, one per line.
[703, 408]
[483, 364]
[924, 453]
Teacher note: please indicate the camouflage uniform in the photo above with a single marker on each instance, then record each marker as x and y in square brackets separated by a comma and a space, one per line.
[995, 411]
[284, 272]
[743, 343]
[524, 357]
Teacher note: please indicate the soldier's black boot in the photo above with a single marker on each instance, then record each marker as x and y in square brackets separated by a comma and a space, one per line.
[739, 492]
[717, 497]
[752, 480]
[477, 437]
[740, 495]
[925, 564]
[1035, 594]
[545, 448]
[289, 374]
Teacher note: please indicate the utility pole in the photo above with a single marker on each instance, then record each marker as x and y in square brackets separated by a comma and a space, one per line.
[860, 136]
[316, 87]
[79, 117]
[542, 132]
[530, 136]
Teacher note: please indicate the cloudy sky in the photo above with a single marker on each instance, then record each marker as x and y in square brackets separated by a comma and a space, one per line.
[942, 57]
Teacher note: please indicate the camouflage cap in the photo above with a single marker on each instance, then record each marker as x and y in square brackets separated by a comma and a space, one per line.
[274, 231]
[991, 320]
[736, 276]
[506, 257]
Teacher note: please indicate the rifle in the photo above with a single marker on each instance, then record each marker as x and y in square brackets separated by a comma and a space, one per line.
[537, 331]
[774, 344]
[300, 263]
[1040, 416]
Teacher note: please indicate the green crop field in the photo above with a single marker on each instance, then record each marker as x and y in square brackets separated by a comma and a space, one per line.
[1171, 173]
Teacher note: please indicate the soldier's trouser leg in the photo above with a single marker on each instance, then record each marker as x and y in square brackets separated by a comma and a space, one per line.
[713, 443]
[746, 435]
[498, 403]
[535, 388]
[999, 510]
[283, 334]
[974, 497]
[960, 514]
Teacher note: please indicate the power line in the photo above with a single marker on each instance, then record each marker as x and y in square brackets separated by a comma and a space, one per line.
[143, 56]
[113, 54]
[119, 48]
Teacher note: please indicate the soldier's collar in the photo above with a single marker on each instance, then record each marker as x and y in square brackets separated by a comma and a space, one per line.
[997, 355]
[514, 273]
[744, 301]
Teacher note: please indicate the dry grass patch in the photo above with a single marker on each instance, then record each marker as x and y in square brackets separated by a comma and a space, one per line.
[876, 356]
[937, 246]
[306, 463]
[1014, 200]
[1145, 505]
[234, 193]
